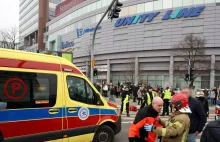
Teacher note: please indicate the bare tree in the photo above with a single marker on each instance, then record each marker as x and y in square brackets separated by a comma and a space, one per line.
[191, 52]
[9, 38]
[130, 75]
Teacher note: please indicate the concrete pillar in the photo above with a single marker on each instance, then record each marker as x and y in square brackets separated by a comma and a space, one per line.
[212, 73]
[87, 69]
[136, 71]
[171, 71]
[108, 71]
[42, 20]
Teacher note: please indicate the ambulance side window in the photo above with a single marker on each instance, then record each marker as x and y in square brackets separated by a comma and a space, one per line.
[80, 91]
[27, 90]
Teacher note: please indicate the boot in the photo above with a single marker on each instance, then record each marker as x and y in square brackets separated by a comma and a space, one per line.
[128, 115]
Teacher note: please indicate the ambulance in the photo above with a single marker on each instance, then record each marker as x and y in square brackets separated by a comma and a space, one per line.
[47, 98]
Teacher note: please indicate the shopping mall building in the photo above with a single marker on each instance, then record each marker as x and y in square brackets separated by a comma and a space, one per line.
[138, 45]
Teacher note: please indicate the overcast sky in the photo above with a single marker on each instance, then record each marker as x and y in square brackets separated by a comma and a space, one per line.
[9, 13]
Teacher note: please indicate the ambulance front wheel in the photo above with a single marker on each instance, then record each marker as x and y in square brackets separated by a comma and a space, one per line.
[104, 134]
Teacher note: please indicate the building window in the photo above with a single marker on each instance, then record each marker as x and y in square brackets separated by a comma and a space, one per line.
[94, 6]
[28, 90]
[149, 6]
[80, 91]
[187, 2]
[132, 10]
[124, 12]
[98, 4]
[167, 4]
[140, 8]
[104, 3]
[209, 1]
[89, 8]
[198, 2]
[217, 81]
[158, 5]
[177, 3]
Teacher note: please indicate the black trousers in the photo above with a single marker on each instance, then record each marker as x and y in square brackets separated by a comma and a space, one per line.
[140, 101]
[165, 106]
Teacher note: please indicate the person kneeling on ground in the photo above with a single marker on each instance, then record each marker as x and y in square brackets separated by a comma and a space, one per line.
[150, 115]
[176, 129]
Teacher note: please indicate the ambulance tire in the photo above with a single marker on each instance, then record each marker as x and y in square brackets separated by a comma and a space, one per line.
[106, 131]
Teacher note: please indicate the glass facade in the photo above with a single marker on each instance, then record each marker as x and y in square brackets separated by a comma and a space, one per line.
[125, 11]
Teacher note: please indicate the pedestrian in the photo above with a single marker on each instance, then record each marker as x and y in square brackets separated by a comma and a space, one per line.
[177, 127]
[105, 90]
[146, 115]
[201, 97]
[166, 98]
[198, 116]
[172, 94]
[212, 96]
[135, 90]
[149, 96]
[211, 132]
[139, 95]
[125, 97]
[112, 93]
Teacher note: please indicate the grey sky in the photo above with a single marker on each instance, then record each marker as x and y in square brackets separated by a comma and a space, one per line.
[9, 13]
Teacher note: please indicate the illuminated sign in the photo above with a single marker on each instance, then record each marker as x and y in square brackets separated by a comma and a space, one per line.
[81, 32]
[179, 13]
[66, 5]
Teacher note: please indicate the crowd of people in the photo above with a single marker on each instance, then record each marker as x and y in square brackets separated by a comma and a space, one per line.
[190, 110]
[185, 123]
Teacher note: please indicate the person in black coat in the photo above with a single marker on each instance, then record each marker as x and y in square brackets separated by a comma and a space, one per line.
[212, 132]
[201, 97]
[198, 117]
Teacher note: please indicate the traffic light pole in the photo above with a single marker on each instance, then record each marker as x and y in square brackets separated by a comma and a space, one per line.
[93, 38]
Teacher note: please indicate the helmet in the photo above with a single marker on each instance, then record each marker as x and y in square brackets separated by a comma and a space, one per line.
[180, 102]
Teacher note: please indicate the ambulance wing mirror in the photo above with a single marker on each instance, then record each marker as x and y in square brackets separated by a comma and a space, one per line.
[3, 105]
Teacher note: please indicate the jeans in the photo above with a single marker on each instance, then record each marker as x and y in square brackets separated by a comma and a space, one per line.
[111, 98]
[191, 138]
[212, 102]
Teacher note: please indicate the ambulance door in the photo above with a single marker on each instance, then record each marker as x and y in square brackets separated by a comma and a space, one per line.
[83, 112]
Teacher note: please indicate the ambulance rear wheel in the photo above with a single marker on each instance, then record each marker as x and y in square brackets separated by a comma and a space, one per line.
[104, 134]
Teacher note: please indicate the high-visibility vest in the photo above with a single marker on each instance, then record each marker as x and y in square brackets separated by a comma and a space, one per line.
[148, 98]
[126, 100]
[167, 94]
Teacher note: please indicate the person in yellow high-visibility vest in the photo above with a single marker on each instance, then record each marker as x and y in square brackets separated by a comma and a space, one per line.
[166, 98]
[125, 101]
[150, 95]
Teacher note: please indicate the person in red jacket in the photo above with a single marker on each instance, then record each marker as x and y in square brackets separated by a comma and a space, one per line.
[146, 115]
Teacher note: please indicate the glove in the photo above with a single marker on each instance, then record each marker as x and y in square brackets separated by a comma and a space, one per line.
[148, 127]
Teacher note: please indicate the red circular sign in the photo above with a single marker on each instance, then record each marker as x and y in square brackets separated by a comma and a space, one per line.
[15, 84]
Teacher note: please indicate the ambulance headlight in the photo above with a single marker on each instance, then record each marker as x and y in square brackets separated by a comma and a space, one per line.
[117, 111]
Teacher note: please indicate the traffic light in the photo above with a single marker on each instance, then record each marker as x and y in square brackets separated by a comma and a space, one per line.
[95, 72]
[187, 77]
[191, 73]
[114, 13]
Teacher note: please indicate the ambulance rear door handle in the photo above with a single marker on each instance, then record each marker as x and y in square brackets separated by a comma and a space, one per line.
[54, 111]
[72, 110]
